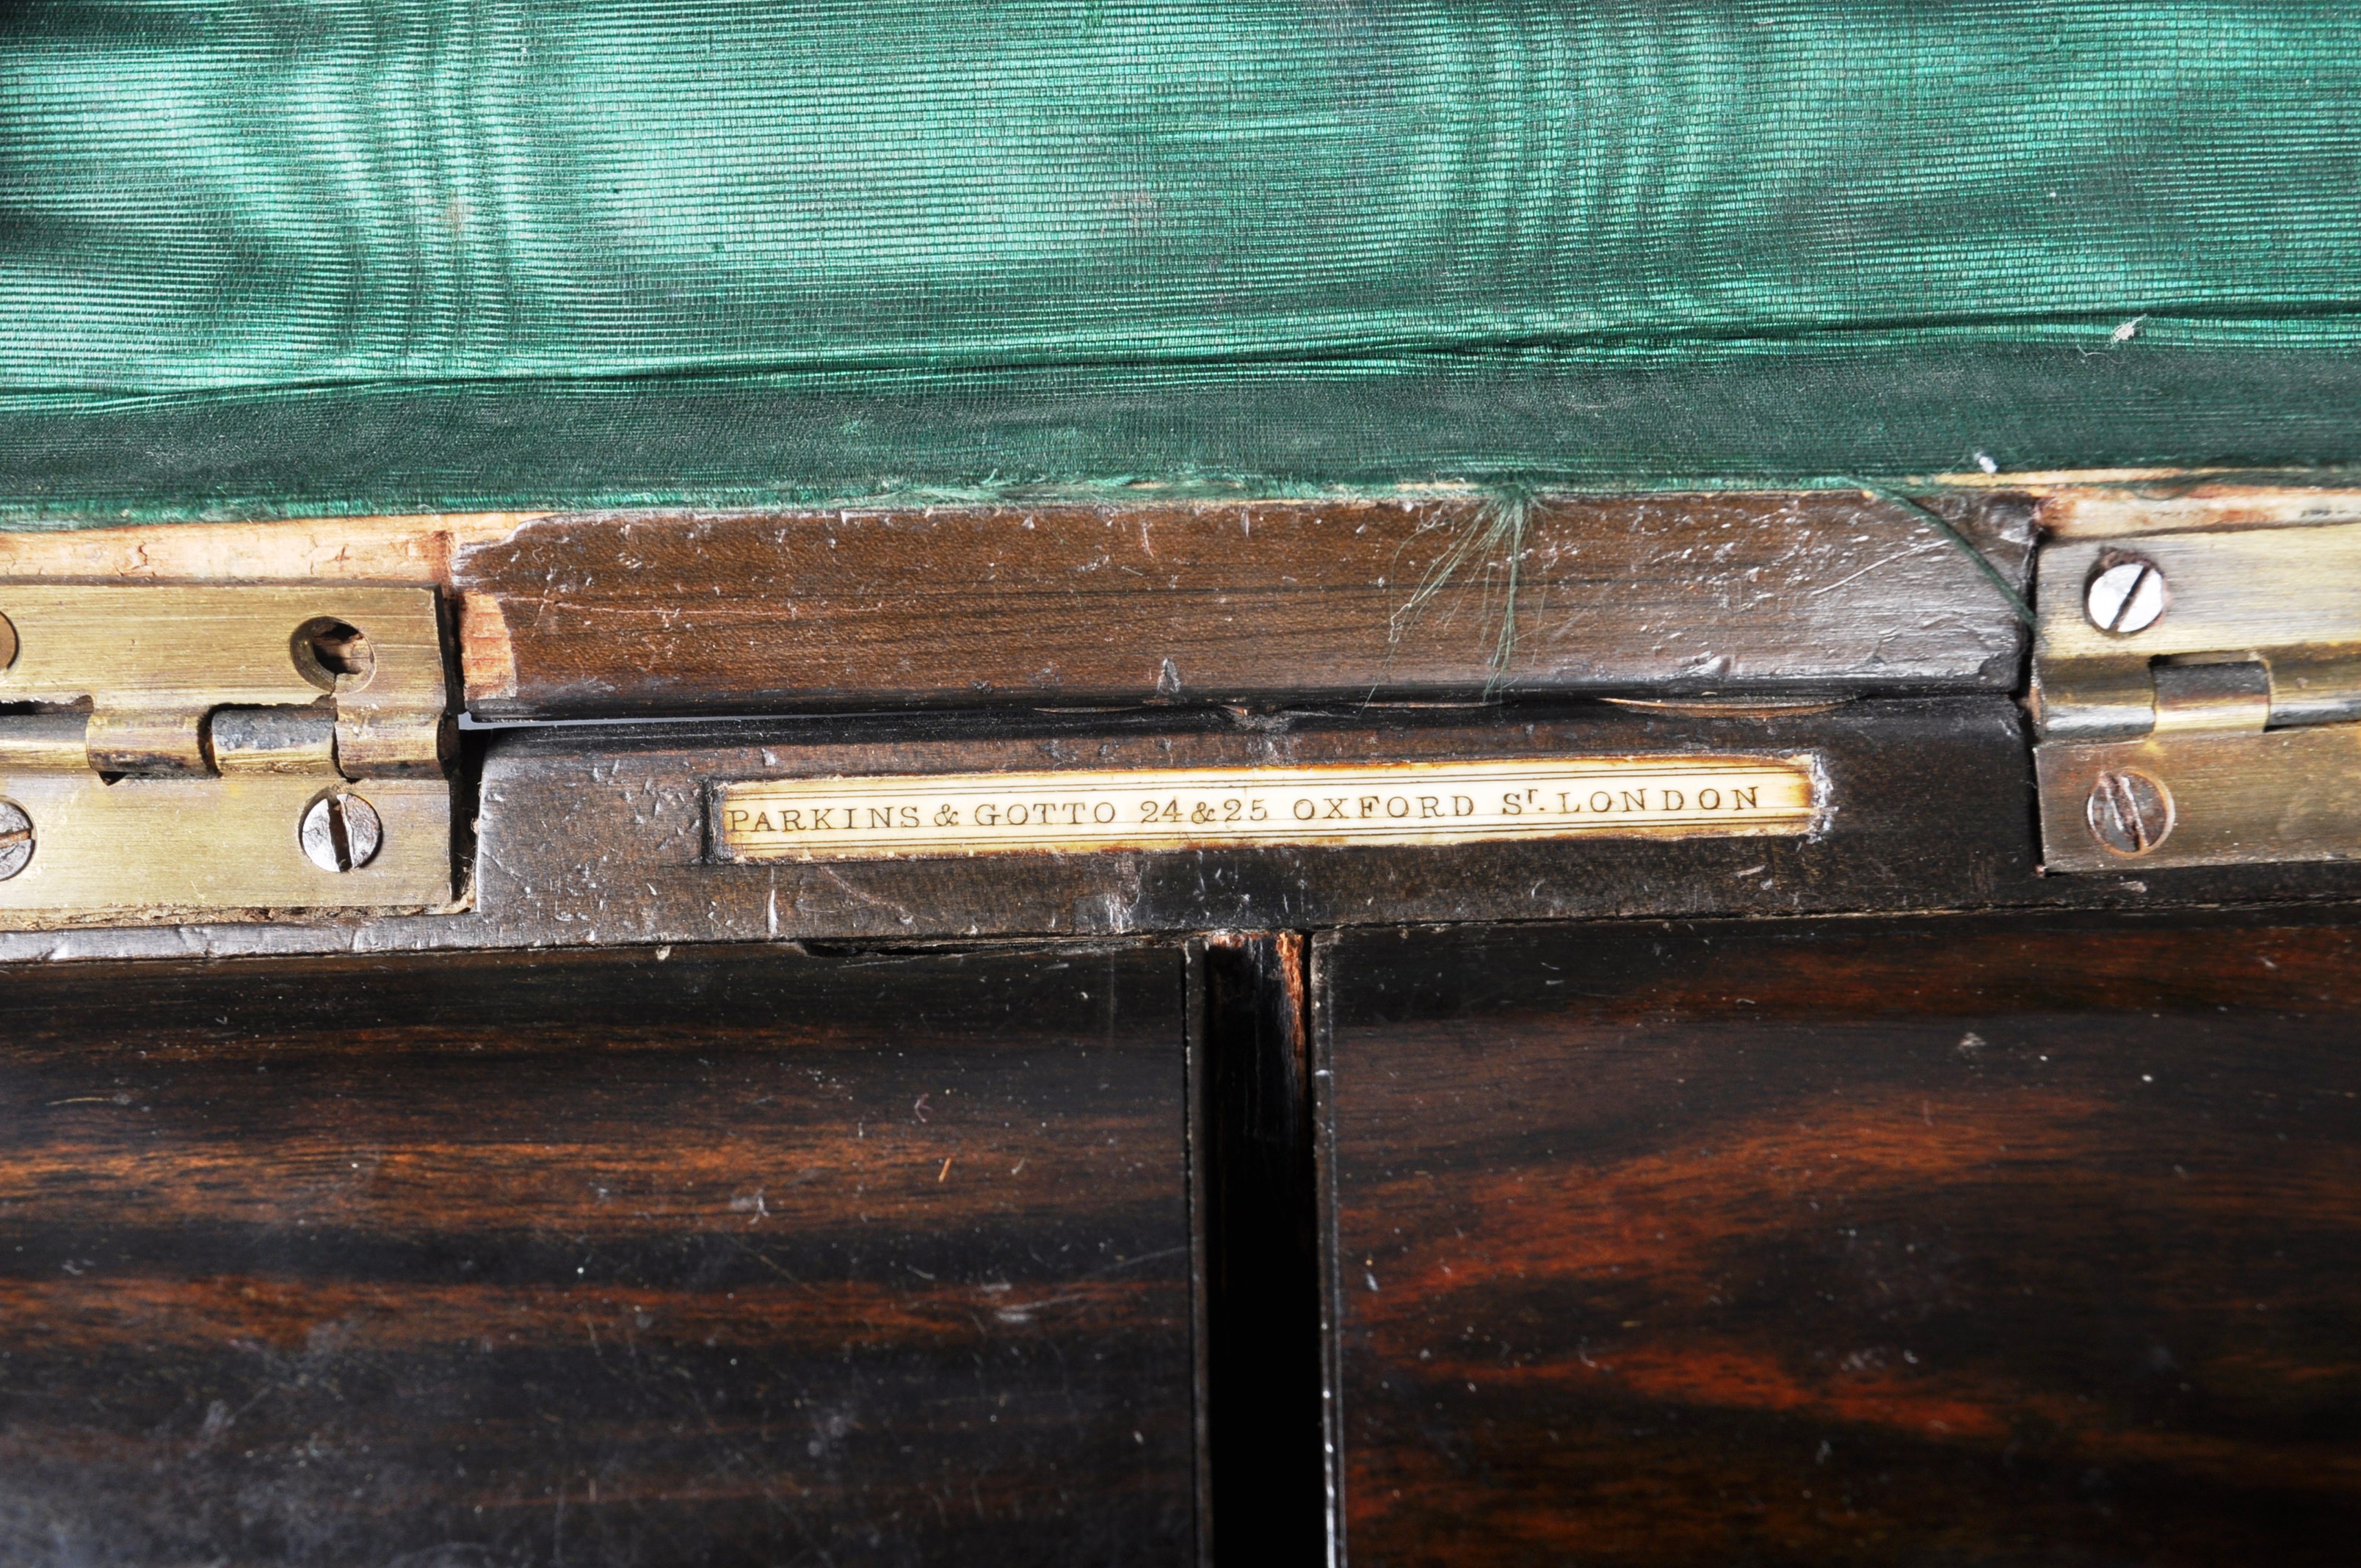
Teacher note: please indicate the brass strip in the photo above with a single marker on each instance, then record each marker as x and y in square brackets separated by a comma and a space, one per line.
[2225, 594]
[2202, 800]
[151, 659]
[155, 848]
[1083, 811]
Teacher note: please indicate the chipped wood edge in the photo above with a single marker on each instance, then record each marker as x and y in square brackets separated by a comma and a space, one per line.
[488, 667]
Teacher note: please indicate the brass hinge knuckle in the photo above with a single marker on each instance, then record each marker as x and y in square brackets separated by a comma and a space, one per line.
[169, 748]
[164, 743]
[2198, 695]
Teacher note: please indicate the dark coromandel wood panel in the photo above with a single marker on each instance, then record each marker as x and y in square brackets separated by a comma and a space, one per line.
[721, 1257]
[2015, 1242]
[622, 613]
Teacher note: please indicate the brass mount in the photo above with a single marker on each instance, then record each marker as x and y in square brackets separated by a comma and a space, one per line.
[182, 749]
[2199, 697]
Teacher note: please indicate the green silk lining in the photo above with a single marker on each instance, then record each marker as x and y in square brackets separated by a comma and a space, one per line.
[355, 257]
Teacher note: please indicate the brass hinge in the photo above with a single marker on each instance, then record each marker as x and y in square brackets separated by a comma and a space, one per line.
[167, 749]
[2199, 697]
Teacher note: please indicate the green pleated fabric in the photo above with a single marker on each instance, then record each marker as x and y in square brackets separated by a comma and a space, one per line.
[361, 254]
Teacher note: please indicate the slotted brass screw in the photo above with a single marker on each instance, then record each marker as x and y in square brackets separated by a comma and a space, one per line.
[2130, 812]
[2128, 597]
[15, 839]
[341, 832]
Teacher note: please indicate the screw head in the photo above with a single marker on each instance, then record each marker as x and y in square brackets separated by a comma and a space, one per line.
[341, 832]
[2130, 812]
[7, 644]
[2128, 597]
[15, 839]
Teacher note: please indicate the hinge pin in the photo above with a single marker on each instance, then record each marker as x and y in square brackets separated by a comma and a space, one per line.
[341, 832]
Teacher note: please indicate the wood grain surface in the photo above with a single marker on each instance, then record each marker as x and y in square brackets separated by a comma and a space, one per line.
[1227, 601]
[713, 1257]
[2035, 1242]
[593, 835]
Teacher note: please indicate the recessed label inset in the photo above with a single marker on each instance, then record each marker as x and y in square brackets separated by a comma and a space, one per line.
[1165, 808]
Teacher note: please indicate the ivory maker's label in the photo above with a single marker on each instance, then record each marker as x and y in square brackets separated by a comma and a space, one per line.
[1152, 808]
